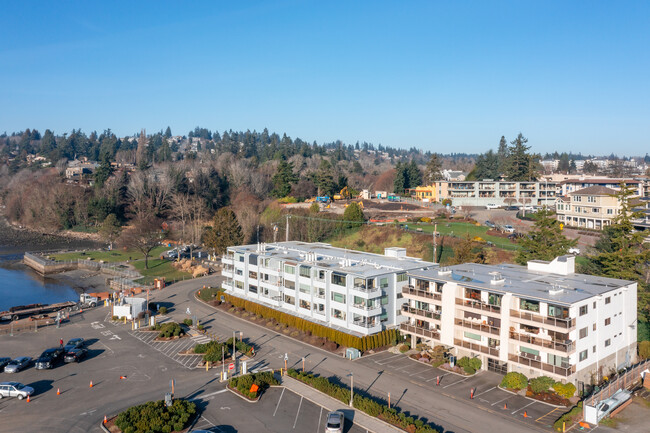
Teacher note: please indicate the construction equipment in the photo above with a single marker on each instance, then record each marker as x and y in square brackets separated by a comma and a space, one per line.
[323, 199]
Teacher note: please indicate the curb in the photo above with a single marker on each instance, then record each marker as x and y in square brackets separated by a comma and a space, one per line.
[241, 396]
[533, 399]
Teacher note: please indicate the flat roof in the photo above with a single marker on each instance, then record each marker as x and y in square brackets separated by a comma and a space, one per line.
[335, 259]
[518, 280]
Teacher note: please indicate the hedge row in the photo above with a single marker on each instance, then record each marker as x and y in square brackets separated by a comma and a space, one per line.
[469, 365]
[262, 380]
[514, 380]
[365, 404]
[383, 338]
[170, 329]
[156, 417]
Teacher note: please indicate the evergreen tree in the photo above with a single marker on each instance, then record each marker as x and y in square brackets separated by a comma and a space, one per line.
[433, 169]
[401, 178]
[521, 166]
[564, 165]
[225, 231]
[487, 167]
[103, 172]
[463, 251]
[546, 241]
[353, 213]
[168, 132]
[413, 175]
[502, 157]
[324, 179]
[283, 179]
[48, 144]
[110, 229]
[572, 166]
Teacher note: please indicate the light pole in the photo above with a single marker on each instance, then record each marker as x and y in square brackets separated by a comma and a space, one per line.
[351, 387]
[234, 340]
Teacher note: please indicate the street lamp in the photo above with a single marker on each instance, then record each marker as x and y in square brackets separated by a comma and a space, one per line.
[234, 340]
[351, 387]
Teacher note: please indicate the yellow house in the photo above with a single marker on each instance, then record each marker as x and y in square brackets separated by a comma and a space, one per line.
[424, 193]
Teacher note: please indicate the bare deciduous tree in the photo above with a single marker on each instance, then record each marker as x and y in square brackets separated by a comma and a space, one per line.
[144, 235]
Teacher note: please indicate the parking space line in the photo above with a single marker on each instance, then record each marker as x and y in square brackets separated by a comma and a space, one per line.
[545, 415]
[481, 393]
[419, 372]
[319, 418]
[454, 383]
[532, 402]
[503, 399]
[297, 413]
[279, 400]
[434, 377]
[388, 360]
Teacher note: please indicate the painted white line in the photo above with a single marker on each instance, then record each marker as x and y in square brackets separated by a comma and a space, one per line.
[279, 400]
[319, 417]
[213, 393]
[481, 393]
[454, 383]
[419, 372]
[532, 402]
[297, 413]
[208, 421]
[503, 399]
[434, 378]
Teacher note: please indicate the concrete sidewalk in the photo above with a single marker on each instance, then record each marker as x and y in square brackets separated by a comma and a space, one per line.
[361, 419]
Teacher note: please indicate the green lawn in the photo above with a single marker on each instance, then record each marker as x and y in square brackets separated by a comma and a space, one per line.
[461, 230]
[116, 255]
[159, 269]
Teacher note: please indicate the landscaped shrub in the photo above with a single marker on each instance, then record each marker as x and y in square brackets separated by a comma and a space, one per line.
[262, 380]
[540, 384]
[475, 363]
[171, 329]
[188, 322]
[404, 348]
[644, 349]
[565, 390]
[514, 380]
[568, 417]
[162, 310]
[241, 346]
[365, 404]
[469, 365]
[155, 416]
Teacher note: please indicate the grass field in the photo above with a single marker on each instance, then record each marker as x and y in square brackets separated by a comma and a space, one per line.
[110, 256]
[159, 269]
[459, 229]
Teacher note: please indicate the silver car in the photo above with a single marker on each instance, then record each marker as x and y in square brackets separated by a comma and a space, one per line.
[15, 389]
[17, 364]
[335, 421]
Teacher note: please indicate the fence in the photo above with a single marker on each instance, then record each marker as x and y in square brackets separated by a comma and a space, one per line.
[623, 381]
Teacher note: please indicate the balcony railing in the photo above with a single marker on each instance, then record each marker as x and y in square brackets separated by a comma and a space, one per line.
[420, 331]
[566, 346]
[560, 323]
[364, 324]
[561, 371]
[365, 288]
[477, 326]
[492, 351]
[422, 313]
[478, 305]
[410, 290]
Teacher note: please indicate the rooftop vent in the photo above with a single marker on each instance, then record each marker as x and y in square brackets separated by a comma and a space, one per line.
[497, 278]
[444, 271]
[555, 290]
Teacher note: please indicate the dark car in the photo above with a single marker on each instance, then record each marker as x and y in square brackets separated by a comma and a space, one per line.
[512, 208]
[18, 364]
[75, 355]
[74, 343]
[489, 224]
[49, 358]
[3, 362]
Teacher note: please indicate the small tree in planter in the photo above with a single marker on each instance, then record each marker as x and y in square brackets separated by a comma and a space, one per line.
[514, 380]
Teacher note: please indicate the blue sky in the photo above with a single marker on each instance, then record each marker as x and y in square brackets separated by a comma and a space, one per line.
[445, 76]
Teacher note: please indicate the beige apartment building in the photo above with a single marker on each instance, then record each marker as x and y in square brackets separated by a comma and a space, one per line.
[540, 319]
[593, 207]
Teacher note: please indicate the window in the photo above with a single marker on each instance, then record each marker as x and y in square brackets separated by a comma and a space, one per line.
[252, 275]
[338, 279]
[402, 277]
[610, 211]
[583, 333]
[608, 342]
[558, 361]
[527, 305]
[594, 307]
[583, 355]
[529, 351]
[289, 300]
[494, 299]
[304, 304]
[239, 285]
[338, 297]
[593, 349]
[383, 282]
[595, 210]
[304, 288]
[577, 198]
[320, 275]
[608, 321]
[594, 327]
[558, 312]
[384, 317]
[591, 199]
[252, 289]
[384, 300]
[305, 271]
[472, 336]
[252, 259]
[291, 270]
[608, 300]
[584, 309]
[338, 314]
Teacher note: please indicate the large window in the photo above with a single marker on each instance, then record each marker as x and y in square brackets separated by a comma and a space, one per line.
[384, 300]
[402, 277]
[383, 282]
[472, 336]
[252, 288]
[252, 259]
[583, 355]
[583, 333]
[557, 311]
[529, 305]
[584, 310]
[338, 297]
[289, 300]
[304, 288]
[494, 299]
[305, 271]
[304, 304]
[338, 314]
[558, 361]
[338, 279]
[529, 351]
[291, 270]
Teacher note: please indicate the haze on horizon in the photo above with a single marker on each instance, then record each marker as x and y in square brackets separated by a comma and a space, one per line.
[439, 76]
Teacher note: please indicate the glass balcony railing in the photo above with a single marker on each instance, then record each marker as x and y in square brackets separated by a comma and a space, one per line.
[421, 313]
[410, 290]
[422, 332]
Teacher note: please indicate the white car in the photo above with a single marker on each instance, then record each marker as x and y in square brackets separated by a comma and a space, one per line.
[335, 422]
[15, 389]
[527, 207]
[492, 206]
[508, 228]
[574, 250]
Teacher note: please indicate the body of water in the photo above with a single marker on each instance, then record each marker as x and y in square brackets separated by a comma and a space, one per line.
[21, 287]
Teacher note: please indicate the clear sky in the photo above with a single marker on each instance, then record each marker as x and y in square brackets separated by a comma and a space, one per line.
[445, 76]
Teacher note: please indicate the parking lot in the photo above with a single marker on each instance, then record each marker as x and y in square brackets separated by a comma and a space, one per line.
[278, 411]
[487, 394]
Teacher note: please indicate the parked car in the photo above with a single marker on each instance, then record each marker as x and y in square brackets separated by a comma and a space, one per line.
[75, 355]
[18, 364]
[49, 358]
[4, 361]
[74, 343]
[512, 208]
[527, 207]
[574, 250]
[489, 224]
[508, 228]
[15, 389]
[335, 421]
[492, 206]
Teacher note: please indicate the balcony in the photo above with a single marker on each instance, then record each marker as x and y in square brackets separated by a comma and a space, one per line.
[566, 346]
[478, 305]
[410, 290]
[420, 313]
[477, 326]
[228, 260]
[534, 363]
[427, 333]
[227, 285]
[492, 351]
[552, 321]
[368, 310]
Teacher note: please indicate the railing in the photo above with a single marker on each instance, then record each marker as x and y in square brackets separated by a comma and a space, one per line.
[419, 331]
[476, 347]
[561, 371]
[364, 324]
[567, 346]
[410, 290]
[560, 323]
[623, 381]
[419, 312]
[364, 288]
[477, 326]
[477, 305]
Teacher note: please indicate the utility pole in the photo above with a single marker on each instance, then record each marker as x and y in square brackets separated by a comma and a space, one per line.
[351, 388]
[234, 339]
[435, 246]
[258, 233]
[287, 232]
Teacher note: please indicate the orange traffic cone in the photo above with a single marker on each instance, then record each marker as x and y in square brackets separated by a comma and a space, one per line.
[28, 400]
[58, 391]
[105, 420]
[91, 384]
[525, 414]
[122, 377]
[505, 406]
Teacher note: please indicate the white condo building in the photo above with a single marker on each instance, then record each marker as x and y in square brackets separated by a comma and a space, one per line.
[353, 291]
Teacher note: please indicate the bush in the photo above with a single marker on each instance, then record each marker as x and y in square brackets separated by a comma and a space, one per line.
[514, 380]
[540, 384]
[170, 329]
[644, 349]
[162, 310]
[475, 363]
[404, 348]
[566, 390]
[188, 322]
[568, 417]
[155, 416]
[200, 327]
[262, 380]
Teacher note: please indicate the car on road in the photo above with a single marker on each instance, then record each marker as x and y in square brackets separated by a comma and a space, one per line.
[75, 355]
[49, 358]
[492, 206]
[4, 361]
[15, 389]
[512, 208]
[15, 365]
[335, 421]
[527, 207]
[489, 224]
[508, 228]
[574, 250]
[73, 343]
